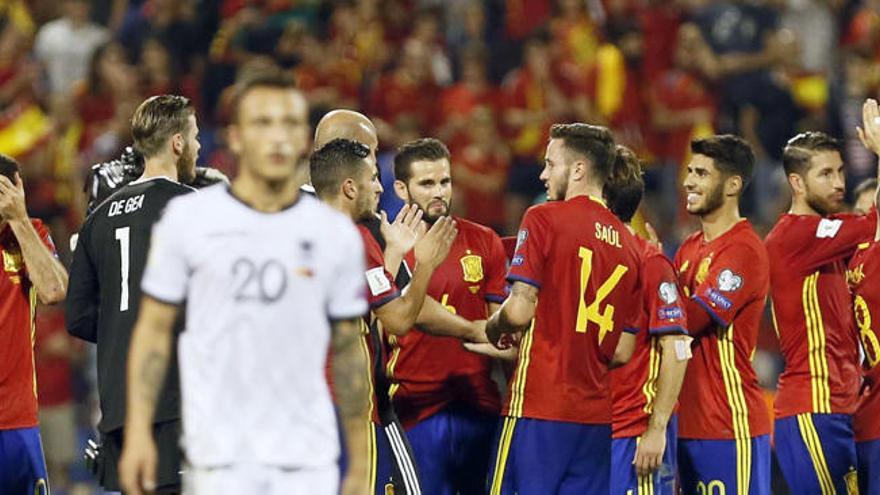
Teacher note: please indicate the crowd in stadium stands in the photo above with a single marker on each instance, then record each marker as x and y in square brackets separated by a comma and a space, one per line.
[487, 77]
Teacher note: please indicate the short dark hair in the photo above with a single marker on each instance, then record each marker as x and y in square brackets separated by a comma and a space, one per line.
[157, 119]
[269, 77]
[9, 167]
[334, 162]
[625, 187]
[800, 149]
[731, 154]
[424, 149]
[593, 142]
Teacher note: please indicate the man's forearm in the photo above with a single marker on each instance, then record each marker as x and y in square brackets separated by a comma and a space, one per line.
[351, 390]
[147, 364]
[672, 369]
[436, 320]
[44, 270]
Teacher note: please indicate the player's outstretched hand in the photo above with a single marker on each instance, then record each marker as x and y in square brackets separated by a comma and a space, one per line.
[401, 234]
[487, 349]
[870, 133]
[137, 465]
[431, 249]
[649, 451]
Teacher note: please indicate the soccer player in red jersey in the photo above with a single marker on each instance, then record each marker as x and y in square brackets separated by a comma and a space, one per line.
[644, 392]
[30, 271]
[724, 425]
[443, 394]
[818, 390]
[575, 270]
[345, 178]
[864, 270]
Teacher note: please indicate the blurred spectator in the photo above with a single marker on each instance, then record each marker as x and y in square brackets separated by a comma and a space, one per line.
[472, 91]
[407, 91]
[104, 103]
[864, 195]
[659, 22]
[23, 125]
[534, 100]
[326, 80]
[427, 31]
[54, 352]
[480, 163]
[171, 21]
[65, 46]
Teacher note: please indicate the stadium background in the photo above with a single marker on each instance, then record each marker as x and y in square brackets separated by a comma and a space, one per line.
[487, 77]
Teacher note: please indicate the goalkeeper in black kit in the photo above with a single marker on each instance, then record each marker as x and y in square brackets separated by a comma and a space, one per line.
[126, 197]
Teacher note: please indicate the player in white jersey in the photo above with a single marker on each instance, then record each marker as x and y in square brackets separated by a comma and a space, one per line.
[265, 273]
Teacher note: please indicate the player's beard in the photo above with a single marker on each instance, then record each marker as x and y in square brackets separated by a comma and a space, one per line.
[713, 201]
[561, 189]
[365, 207]
[186, 166]
[821, 205]
[430, 218]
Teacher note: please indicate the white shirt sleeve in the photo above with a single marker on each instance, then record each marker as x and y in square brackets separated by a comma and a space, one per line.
[166, 276]
[347, 290]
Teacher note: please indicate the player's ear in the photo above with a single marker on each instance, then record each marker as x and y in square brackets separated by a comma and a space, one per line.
[579, 170]
[796, 181]
[178, 142]
[733, 185]
[234, 139]
[349, 189]
[401, 190]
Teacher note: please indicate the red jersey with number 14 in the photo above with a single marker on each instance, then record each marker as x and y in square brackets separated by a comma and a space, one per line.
[863, 276]
[430, 373]
[18, 304]
[634, 386]
[729, 277]
[585, 264]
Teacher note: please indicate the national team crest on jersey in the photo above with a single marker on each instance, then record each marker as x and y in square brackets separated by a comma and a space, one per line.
[472, 267]
[703, 269]
[12, 261]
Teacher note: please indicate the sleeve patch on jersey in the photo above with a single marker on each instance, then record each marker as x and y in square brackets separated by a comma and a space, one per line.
[517, 260]
[668, 292]
[717, 299]
[828, 228]
[670, 313]
[377, 281]
[729, 281]
[521, 237]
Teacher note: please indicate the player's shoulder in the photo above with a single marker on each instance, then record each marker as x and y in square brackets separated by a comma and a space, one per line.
[475, 229]
[331, 219]
[743, 240]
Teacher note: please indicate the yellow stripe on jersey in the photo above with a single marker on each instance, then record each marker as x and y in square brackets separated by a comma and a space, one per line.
[502, 455]
[820, 390]
[739, 410]
[646, 484]
[517, 396]
[814, 446]
[649, 389]
[32, 300]
[773, 318]
[372, 455]
[365, 334]
[392, 362]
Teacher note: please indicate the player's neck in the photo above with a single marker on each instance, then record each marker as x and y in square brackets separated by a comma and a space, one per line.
[159, 167]
[263, 195]
[587, 190]
[718, 222]
[800, 206]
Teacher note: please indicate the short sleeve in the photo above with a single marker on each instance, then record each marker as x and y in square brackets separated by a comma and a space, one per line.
[731, 282]
[663, 298]
[819, 241]
[529, 256]
[347, 291]
[496, 267]
[167, 273]
[381, 287]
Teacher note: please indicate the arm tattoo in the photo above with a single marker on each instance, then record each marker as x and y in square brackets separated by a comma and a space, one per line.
[152, 374]
[350, 368]
[525, 291]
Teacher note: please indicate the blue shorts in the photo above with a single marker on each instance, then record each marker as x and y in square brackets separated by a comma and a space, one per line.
[817, 453]
[725, 466]
[538, 457]
[22, 465]
[869, 467]
[624, 479]
[390, 454]
[452, 449]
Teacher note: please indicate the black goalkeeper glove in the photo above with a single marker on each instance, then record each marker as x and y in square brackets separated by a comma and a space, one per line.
[206, 176]
[106, 178]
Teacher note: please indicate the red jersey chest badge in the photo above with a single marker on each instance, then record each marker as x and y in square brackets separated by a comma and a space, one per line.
[472, 270]
[12, 265]
[703, 269]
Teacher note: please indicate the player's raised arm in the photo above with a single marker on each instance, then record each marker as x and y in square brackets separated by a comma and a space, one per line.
[401, 235]
[147, 363]
[44, 270]
[352, 402]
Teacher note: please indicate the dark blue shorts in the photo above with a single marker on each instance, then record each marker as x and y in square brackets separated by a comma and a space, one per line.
[537, 457]
[22, 465]
[452, 449]
[719, 467]
[395, 468]
[817, 453]
[869, 467]
[624, 479]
